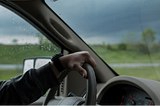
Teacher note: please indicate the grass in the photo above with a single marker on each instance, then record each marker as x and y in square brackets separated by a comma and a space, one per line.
[142, 72]
[11, 54]
[130, 56]
[8, 74]
[125, 56]
[17, 53]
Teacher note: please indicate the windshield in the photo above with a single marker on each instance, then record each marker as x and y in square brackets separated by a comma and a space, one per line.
[124, 33]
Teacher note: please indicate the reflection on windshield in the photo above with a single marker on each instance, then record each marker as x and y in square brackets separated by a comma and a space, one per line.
[125, 34]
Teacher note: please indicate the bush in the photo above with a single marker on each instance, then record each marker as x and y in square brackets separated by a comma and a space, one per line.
[109, 47]
[155, 48]
[122, 46]
[141, 48]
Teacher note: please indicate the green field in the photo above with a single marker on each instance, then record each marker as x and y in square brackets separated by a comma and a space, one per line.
[8, 74]
[125, 56]
[142, 72]
[15, 54]
[131, 55]
[11, 54]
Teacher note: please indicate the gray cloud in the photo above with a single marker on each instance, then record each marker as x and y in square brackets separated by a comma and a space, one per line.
[109, 18]
[12, 24]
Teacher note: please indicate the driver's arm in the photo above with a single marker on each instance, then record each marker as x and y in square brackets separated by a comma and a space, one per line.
[27, 88]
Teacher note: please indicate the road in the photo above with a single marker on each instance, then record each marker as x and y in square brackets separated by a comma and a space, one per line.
[133, 65]
[10, 66]
[116, 65]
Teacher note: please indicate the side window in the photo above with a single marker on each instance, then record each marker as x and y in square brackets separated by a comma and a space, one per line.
[19, 40]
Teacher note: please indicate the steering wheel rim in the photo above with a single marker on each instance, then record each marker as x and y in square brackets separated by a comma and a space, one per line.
[91, 89]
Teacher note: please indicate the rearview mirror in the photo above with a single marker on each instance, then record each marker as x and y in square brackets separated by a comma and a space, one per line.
[34, 62]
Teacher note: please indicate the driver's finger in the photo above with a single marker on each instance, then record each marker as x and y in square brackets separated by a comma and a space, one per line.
[91, 61]
[81, 70]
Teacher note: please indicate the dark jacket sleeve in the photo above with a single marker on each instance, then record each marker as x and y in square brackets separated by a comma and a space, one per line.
[27, 88]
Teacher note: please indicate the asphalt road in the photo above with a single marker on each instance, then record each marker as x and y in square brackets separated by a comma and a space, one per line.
[10, 66]
[117, 65]
[122, 65]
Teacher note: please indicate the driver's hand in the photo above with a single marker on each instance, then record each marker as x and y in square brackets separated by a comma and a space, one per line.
[75, 61]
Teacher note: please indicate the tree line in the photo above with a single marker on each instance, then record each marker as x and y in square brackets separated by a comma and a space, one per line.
[146, 44]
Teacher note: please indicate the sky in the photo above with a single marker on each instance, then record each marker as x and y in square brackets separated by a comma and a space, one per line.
[107, 21]
[22, 39]
[14, 27]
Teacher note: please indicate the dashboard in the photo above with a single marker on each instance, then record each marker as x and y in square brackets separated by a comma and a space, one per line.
[126, 94]
[127, 90]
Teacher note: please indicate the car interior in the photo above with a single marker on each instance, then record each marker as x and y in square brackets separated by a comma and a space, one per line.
[104, 85]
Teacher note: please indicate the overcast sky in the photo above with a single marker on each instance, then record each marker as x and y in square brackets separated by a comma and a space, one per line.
[101, 21]
[109, 20]
[14, 27]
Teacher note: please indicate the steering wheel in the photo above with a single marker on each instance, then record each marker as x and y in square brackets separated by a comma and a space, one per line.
[90, 92]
